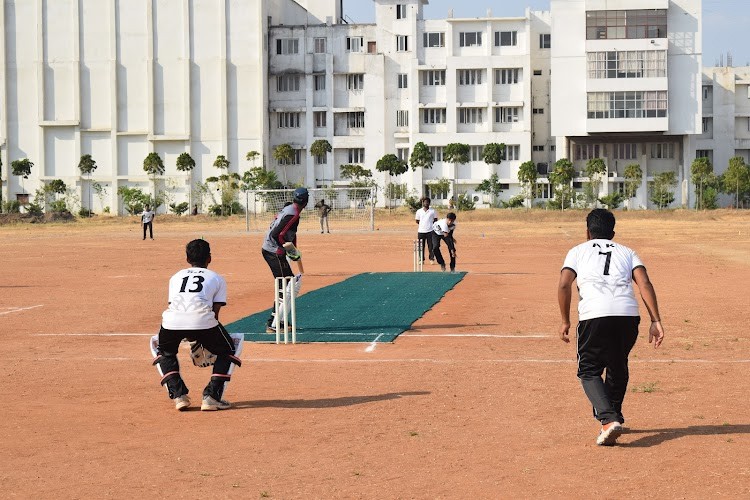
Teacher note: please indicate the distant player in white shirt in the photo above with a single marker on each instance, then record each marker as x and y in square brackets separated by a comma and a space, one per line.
[608, 317]
[147, 221]
[195, 297]
[425, 218]
[442, 230]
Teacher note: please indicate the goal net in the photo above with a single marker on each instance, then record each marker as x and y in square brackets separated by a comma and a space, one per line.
[351, 208]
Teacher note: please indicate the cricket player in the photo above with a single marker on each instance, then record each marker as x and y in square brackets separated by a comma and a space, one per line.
[196, 295]
[608, 317]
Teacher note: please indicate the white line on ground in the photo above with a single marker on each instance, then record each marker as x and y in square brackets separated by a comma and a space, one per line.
[92, 334]
[426, 360]
[493, 335]
[372, 345]
[18, 309]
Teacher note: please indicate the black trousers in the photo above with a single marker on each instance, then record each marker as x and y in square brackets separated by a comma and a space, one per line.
[605, 344]
[426, 239]
[216, 339]
[150, 226]
[280, 268]
[436, 239]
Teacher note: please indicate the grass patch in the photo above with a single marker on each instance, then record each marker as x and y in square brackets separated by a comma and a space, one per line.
[648, 387]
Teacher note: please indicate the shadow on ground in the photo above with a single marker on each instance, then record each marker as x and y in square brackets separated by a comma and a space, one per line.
[325, 402]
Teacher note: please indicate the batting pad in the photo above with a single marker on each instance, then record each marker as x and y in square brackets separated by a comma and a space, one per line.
[368, 307]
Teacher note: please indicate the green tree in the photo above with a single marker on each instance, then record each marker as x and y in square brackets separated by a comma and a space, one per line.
[458, 154]
[22, 169]
[612, 200]
[491, 187]
[662, 189]
[101, 192]
[153, 166]
[391, 164]
[320, 149]
[57, 187]
[283, 154]
[133, 199]
[560, 178]
[439, 188]
[527, 176]
[420, 157]
[595, 170]
[358, 175]
[259, 178]
[493, 153]
[186, 163]
[701, 173]
[87, 165]
[736, 180]
[251, 156]
[633, 178]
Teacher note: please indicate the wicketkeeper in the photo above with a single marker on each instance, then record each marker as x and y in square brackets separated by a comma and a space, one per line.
[195, 297]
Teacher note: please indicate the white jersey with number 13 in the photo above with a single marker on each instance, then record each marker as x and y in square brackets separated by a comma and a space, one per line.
[192, 295]
[604, 272]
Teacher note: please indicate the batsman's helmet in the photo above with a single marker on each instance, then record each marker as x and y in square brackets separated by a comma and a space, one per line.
[301, 196]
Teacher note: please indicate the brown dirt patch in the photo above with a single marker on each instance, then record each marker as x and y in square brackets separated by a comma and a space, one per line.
[436, 414]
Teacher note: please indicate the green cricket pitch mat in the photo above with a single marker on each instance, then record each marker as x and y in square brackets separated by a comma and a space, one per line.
[368, 307]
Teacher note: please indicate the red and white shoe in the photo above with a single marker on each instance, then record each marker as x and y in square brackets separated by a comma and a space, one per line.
[609, 434]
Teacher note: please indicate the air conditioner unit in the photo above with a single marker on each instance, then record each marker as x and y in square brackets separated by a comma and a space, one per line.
[613, 174]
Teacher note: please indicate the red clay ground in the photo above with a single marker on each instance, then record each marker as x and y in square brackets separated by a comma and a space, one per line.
[478, 400]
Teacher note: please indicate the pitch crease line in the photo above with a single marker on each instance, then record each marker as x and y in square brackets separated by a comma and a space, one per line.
[18, 309]
[421, 360]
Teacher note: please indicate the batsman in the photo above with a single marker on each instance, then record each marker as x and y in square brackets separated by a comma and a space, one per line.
[281, 242]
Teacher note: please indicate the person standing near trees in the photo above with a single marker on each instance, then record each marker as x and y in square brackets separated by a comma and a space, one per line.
[323, 210]
[425, 218]
[147, 221]
[608, 317]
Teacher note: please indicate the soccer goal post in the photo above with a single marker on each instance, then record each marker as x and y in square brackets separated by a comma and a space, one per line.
[351, 208]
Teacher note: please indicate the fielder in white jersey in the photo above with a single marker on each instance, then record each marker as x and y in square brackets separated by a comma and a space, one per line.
[425, 218]
[442, 230]
[608, 317]
[196, 295]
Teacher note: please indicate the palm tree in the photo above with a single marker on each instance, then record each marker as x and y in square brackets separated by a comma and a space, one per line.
[87, 165]
[153, 165]
[185, 163]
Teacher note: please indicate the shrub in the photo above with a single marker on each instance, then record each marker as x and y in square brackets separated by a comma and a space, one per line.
[612, 200]
[413, 203]
[465, 202]
[179, 208]
[514, 202]
[11, 207]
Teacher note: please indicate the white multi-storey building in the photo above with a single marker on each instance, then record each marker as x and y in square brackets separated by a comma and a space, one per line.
[121, 79]
[626, 86]
[377, 89]
[615, 79]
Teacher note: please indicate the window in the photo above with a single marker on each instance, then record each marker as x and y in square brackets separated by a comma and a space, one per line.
[470, 115]
[537, 72]
[320, 118]
[628, 64]
[545, 41]
[435, 192]
[400, 11]
[703, 153]
[506, 38]
[618, 24]
[287, 120]
[469, 76]
[319, 82]
[538, 111]
[402, 154]
[402, 118]
[475, 153]
[631, 104]
[470, 39]
[286, 46]
[321, 159]
[287, 83]
[537, 148]
[626, 151]
[512, 152]
[542, 168]
[430, 116]
[552, 148]
[403, 81]
[355, 43]
[507, 76]
[706, 124]
[357, 155]
[355, 119]
[319, 45]
[662, 151]
[296, 158]
[587, 151]
[435, 39]
[433, 77]
[706, 91]
[355, 81]
[437, 153]
[544, 190]
[507, 115]
[402, 43]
